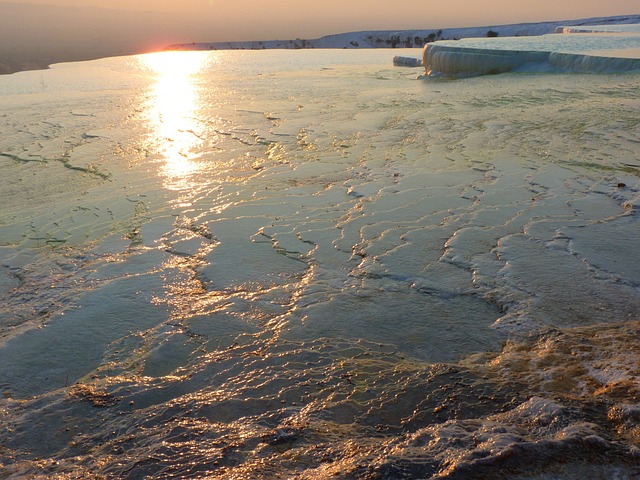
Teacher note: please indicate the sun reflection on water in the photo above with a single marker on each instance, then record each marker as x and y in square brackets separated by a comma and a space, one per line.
[173, 106]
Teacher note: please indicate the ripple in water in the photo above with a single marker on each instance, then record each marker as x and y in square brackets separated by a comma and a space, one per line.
[330, 271]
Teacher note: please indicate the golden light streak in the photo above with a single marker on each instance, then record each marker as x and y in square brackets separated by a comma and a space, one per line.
[172, 113]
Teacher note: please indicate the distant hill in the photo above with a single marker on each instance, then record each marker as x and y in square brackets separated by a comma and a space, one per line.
[406, 38]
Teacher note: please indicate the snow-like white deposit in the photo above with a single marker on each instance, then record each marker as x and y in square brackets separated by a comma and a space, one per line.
[616, 28]
[596, 52]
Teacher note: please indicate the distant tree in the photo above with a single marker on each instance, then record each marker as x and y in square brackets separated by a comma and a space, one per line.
[492, 33]
[430, 38]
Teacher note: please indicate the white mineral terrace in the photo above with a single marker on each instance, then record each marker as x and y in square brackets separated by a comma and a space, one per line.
[587, 50]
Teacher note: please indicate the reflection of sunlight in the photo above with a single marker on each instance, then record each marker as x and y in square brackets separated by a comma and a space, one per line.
[172, 111]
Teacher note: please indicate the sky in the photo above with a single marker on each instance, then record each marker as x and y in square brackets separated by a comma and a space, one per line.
[286, 19]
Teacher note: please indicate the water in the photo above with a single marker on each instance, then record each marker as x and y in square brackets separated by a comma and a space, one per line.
[312, 264]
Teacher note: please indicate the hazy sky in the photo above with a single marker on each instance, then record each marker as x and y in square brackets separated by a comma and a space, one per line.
[270, 19]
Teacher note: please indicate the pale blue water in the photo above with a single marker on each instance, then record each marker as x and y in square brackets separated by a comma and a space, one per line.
[312, 264]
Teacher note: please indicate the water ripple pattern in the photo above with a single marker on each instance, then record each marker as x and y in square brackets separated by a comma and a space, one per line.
[288, 264]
